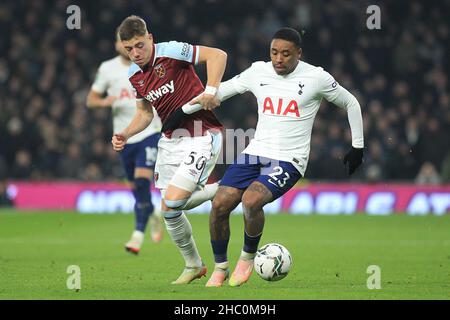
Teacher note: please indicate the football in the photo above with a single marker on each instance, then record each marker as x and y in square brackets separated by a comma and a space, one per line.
[272, 262]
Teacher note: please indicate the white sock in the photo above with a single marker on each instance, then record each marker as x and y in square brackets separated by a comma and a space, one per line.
[200, 196]
[137, 235]
[157, 212]
[222, 265]
[180, 230]
[247, 256]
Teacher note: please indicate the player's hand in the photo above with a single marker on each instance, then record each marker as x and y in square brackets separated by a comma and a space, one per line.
[108, 101]
[119, 141]
[354, 158]
[208, 101]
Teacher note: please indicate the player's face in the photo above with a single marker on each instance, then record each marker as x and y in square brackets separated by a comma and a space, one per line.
[139, 49]
[284, 55]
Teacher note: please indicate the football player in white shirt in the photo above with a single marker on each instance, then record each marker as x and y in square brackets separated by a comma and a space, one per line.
[139, 155]
[289, 93]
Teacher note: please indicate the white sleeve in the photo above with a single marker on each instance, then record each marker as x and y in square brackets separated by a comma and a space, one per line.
[339, 96]
[226, 90]
[236, 85]
[100, 84]
[243, 82]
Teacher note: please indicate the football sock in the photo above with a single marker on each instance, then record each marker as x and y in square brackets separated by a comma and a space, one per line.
[247, 256]
[219, 248]
[222, 265]
[251, 244]
[180, 230]
[143, 207]
[200, 196]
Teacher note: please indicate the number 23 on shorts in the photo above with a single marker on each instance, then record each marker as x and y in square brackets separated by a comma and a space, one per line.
[279, 177]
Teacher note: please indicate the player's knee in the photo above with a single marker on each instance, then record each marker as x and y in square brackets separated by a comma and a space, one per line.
[142, 195]
[251, 202]
[219, 206]
[170, 215]
[175, 204]
[142, 184]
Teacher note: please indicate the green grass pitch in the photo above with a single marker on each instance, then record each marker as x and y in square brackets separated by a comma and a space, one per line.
[330, 254]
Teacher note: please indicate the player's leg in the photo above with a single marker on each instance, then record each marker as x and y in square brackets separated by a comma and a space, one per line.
[181, 199]
[143, 206]
[188, 188]
[191, 175]
[180, 230]
[225, 201]
[143, 173]
[276, 178]
[253, 200]
[235, 180]
[170, 155]
[127, 157]
[145, 211]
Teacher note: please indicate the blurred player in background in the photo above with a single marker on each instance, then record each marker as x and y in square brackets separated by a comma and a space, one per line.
[111, 88]
[164, 77]
[289, 93]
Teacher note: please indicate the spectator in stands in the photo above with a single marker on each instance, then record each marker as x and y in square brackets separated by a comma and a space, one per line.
[428, 174]
[398, 74]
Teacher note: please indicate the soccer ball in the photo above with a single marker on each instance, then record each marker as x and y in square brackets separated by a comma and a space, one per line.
[272, 262]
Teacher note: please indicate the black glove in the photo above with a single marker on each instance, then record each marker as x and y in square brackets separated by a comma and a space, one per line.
[354, 158]
[174, 120]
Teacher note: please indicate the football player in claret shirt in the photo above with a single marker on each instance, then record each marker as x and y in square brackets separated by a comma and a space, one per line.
[289, 92]
[111, 89]
[164, 77]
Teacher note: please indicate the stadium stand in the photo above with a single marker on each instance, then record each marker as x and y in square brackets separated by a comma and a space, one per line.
[399, 75]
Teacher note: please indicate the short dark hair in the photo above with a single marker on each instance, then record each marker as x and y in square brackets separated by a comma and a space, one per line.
[289, 34]
[132, 26]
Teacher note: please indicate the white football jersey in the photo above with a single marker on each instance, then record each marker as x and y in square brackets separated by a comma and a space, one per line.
[287, 106]
[112, 78]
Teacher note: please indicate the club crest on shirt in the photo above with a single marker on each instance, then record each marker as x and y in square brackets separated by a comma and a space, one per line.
[300, 92]
[160, 70]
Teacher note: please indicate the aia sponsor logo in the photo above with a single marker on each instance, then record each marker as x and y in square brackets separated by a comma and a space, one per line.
[282, 107]
[160, 70]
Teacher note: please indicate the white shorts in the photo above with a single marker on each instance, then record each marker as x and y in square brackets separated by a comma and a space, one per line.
[192, 158]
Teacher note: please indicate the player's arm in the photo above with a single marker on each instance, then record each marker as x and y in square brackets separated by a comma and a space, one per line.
[225, 91]
[342, 98]
[216, 61]
[142, 119]
[237, 85]
[96, 100]
[348, 102]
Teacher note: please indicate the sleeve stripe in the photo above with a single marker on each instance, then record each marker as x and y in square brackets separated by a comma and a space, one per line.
[195, 55]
